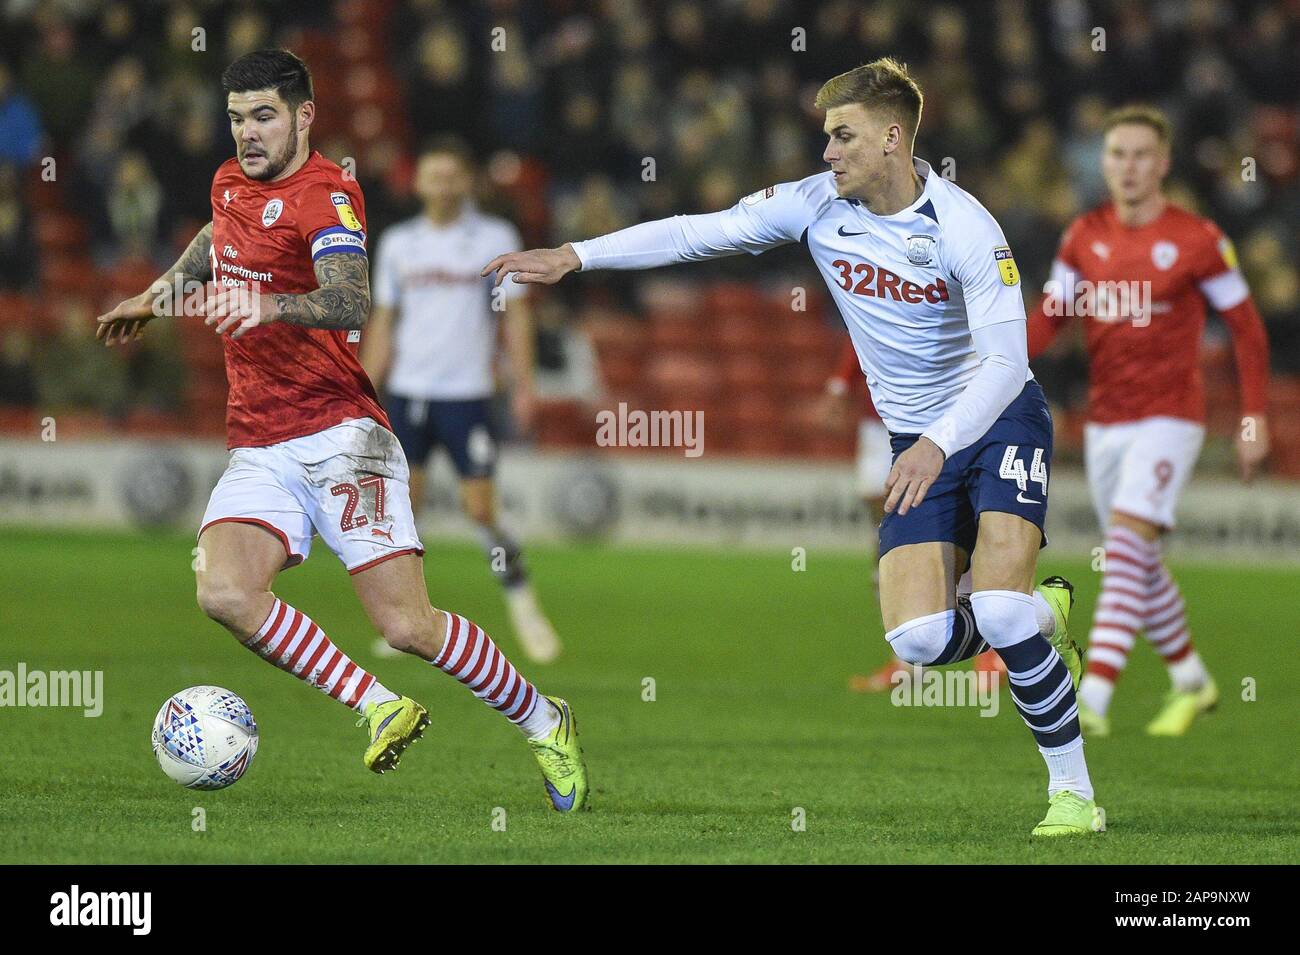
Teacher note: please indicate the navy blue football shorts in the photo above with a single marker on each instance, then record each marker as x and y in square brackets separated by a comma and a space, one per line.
[464, 428]
[1006, 470]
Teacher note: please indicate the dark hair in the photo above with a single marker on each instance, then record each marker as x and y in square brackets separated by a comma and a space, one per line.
[448, 144]
[279, 70]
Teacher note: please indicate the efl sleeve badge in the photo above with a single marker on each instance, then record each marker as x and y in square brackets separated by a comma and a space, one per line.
[1006, 265]
[343, 206]
[1228, 252]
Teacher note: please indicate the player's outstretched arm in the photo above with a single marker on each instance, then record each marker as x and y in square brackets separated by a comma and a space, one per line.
[341, 302]
[758, 222]
[126, 322]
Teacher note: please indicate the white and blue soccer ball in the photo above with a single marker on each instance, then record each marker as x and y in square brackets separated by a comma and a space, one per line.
[205, 737]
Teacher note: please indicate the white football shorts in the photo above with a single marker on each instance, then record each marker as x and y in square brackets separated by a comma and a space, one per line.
[348, 483]
[1140, 467]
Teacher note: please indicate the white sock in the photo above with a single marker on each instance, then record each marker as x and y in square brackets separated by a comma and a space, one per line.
[1043, 614]
[541, 721]
[1042, 609]
[378, 693]
[1067, 769]
[1189, 673]
[1095, 692]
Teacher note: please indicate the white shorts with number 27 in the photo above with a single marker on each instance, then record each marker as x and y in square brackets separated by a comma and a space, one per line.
[348, 483]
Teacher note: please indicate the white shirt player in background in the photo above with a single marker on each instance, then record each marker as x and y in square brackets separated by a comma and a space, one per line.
[431, 347]
[929, 291]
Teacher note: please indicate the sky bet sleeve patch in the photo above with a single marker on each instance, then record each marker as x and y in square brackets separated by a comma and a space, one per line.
[1228, 252]
[343, 205]
[1006, 265]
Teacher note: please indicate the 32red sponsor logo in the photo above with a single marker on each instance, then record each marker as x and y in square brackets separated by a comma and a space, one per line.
[863, 278]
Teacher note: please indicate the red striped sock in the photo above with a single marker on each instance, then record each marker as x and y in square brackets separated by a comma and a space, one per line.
[1166, 616]
[293, 642]
[1121, 611]
[471, 657]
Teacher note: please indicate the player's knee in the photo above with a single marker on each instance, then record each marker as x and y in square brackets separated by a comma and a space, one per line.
[480, 512]
[921, 640]
[1003, 617]
[226, 602]
[1142, 528]
[417, 634]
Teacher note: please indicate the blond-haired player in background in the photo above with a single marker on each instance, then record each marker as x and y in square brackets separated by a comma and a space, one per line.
[1140, 271]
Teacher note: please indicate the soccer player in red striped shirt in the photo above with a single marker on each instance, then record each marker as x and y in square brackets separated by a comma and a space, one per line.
[282, 274]
[1139, 272]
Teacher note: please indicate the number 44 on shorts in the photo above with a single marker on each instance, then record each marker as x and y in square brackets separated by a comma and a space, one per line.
[1013, 469]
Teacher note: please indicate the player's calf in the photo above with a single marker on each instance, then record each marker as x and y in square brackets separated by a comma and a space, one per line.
[293, 642]
[1041, 686]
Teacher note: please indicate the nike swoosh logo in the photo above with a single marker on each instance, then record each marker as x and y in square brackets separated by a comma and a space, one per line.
[561, 801]
[848, 234]
[1026, 500]
[387, 719]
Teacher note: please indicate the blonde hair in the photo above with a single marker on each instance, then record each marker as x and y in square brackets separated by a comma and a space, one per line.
[1142, 115]
[882, 84]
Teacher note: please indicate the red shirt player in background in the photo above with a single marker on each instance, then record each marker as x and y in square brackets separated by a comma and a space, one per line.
[281, 272]
[875, 458]
[1140, 271]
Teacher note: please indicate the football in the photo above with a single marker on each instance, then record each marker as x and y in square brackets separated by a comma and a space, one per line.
[204, 737]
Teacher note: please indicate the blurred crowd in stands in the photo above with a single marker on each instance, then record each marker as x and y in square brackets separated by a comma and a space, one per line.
[594, 115]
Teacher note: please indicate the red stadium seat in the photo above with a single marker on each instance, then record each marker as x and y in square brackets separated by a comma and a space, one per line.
[734, 298]
[675, 333]
[58, 231]
[746, 372]
[63, 274]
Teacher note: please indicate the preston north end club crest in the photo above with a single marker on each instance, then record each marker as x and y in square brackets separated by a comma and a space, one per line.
[920, 249]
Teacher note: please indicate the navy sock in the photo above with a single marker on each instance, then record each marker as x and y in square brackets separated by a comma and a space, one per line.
[1042, 691]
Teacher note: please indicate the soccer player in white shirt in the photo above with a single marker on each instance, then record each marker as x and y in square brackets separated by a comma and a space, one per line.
[929, 291]
[430, 347]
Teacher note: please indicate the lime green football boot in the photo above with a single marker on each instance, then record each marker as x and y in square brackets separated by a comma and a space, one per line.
[394, 726]
[1059, 594]
[1094, 725]
[564, 771]
[1180, 709]
[1071, 815]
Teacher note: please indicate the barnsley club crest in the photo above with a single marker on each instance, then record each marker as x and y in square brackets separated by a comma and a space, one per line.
[1164, 255]
[272, 212]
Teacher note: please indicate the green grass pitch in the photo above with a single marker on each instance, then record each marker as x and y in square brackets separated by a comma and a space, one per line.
[751, 721]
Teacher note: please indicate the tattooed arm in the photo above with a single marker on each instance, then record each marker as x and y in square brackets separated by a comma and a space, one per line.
[126, 322]
[195, 263]
[342, 301]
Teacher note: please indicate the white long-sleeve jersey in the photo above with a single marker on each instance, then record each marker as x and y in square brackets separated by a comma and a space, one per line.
[930, 295]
